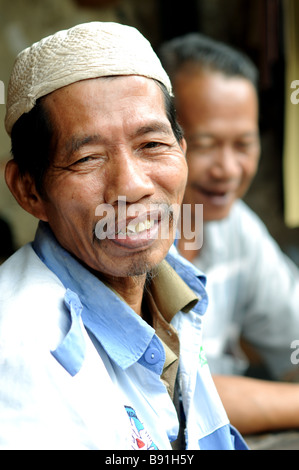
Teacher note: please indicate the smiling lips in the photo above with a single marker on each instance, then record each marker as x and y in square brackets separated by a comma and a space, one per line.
[137, 234]
[216, 197]
[131, 232]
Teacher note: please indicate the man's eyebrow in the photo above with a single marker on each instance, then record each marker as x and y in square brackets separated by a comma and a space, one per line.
[156, 126]
[202, 135]
[199, 135]
[75, 143]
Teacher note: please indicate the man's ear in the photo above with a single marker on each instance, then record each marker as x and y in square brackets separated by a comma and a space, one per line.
[183, 145]
[23, 189]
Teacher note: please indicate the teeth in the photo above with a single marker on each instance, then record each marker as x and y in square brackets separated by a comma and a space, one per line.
[149, 224]
[139, 227]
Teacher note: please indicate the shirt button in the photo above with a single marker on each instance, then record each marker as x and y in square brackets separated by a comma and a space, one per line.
[152, 356]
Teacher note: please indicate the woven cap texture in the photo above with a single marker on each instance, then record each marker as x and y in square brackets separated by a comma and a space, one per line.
[89, 50]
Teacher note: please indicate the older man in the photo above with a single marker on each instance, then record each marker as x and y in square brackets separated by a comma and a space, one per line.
[100, 336]
[252, 286]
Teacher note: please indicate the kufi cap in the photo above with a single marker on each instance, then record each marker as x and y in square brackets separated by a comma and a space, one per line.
[89, 50]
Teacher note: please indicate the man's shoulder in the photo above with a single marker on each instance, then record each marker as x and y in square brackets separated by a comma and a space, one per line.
[29, 291]
[240, 235]
[241, 211]
[24, 270]
[242, 222]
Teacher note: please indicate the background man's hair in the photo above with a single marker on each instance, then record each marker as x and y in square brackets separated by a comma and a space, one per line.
[199, 51]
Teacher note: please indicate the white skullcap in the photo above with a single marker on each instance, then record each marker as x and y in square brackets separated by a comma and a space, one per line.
[85, 51]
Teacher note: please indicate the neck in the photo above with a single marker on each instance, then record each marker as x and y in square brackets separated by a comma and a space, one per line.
[129, 288]
[183, 242]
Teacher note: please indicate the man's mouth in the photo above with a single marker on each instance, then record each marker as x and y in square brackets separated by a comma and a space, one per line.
[134, 228]
[137, 234]
[139, 229]
[215, 196]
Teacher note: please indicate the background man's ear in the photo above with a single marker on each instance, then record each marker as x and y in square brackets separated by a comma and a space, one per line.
[23, 189]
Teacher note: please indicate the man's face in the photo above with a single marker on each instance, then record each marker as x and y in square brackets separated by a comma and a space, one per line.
[113, 139]
[220, 119]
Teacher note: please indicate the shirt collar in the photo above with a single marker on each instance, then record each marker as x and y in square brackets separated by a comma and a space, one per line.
[170, 292]
[122, 333]
[192, 276]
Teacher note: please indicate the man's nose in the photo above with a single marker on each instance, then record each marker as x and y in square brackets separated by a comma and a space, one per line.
[226, 164]
[127, 176]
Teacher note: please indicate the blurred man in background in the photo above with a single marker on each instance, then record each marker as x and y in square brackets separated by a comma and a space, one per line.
[253, 287]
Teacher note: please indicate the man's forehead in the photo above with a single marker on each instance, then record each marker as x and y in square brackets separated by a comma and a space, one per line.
[138, 100]
[81, 123]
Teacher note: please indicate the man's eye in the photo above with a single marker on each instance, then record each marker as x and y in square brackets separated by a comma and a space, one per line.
[244, 146]
[82, 160]
[201, 147]
[152, 145]
[88, 162]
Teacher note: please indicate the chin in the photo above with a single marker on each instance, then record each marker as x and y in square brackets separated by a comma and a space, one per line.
[216, 214]
[139, 264]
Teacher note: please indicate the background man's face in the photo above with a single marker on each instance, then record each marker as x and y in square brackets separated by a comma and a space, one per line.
[220, 118]
[112, 139]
